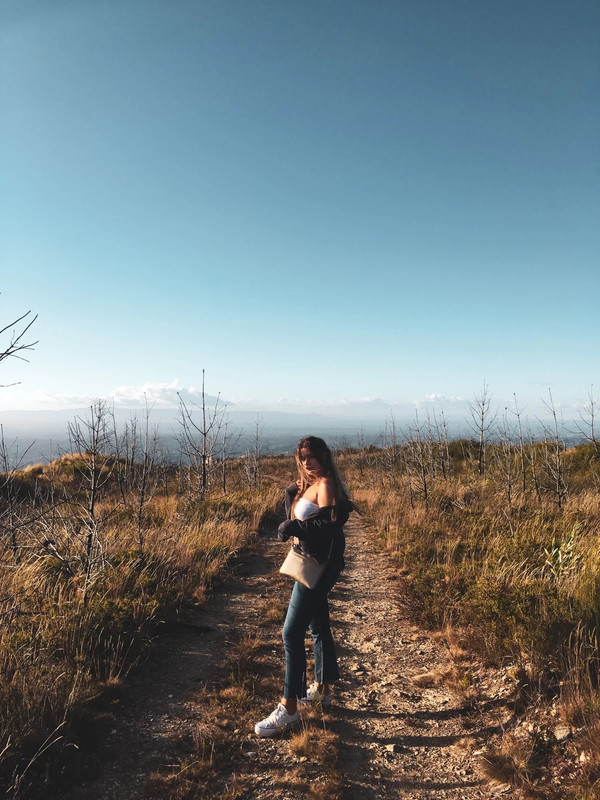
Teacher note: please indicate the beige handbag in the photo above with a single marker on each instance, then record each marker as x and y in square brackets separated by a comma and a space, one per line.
[302, 568]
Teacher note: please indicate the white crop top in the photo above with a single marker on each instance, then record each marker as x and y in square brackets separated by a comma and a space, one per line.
[304, 508]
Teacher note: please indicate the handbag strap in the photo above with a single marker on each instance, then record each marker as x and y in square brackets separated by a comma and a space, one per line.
[295, 547]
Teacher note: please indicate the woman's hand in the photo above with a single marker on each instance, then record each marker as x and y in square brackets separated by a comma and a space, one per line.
[282, 534]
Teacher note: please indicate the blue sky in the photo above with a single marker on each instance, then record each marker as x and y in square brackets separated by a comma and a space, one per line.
[315, 202]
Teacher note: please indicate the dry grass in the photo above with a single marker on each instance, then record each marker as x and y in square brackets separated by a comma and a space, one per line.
[81, 600]
[591, 760]
[206, 759]
[316, 743]
[517, 761]
[508, 767]
[273, 611]
[432, 678]
[293, 778]
[511, 576]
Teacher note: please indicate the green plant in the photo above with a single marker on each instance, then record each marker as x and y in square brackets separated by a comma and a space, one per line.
[562, 556]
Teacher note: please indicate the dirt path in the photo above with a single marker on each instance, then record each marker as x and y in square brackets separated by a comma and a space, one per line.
[183, 726]
[403, 736]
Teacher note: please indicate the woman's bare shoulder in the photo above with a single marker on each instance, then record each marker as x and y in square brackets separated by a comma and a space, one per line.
[326, 492]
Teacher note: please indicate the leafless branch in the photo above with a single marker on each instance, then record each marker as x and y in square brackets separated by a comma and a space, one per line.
[16, 344]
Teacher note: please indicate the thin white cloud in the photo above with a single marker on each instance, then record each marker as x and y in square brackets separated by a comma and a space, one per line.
[438, 400]
[155, 395]
[160, 395]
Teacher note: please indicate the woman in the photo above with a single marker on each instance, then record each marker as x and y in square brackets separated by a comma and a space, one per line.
[317, 506]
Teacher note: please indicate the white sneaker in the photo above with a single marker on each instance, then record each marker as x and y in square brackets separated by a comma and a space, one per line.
[313, 696]
[277, 722]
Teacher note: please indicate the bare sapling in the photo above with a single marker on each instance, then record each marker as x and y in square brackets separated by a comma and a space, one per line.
[407, 469]
[15, 506]
[145, 473]
[14, 348]
[53, 525]
[229, 442]
[91, 441]
[253, 455]
[483, 419]
[587, 425]
[388, 457]
[125, 449]
[505, 459]
[553, 449]
[521, 444]
[418, 461]
[440, 427]
[533, 455]
[29, 512]
[137, 467]
[199, 441]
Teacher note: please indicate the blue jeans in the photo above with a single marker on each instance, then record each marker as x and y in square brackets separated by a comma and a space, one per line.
[309, 608]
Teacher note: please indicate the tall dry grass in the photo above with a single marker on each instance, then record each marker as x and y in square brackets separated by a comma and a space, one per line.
[77, 617]
[523, 576]
[510, 558]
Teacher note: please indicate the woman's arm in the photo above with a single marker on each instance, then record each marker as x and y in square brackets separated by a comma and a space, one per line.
[316, 528]
[290, 493]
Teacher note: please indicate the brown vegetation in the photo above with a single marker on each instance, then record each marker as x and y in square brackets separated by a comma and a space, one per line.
[506, 561]
[497, 543]
[90, 570]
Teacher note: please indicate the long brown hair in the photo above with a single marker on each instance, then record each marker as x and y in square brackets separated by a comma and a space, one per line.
[329, 469]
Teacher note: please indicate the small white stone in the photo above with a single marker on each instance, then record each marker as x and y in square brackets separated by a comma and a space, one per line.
[561, 732]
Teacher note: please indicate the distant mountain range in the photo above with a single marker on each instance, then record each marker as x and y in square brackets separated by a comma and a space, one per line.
[44, 434]
[39, 436]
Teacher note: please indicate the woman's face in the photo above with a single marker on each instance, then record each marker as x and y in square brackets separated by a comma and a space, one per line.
[310, 463]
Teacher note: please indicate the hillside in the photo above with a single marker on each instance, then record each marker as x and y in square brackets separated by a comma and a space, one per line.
[143, 616]
[184, 727]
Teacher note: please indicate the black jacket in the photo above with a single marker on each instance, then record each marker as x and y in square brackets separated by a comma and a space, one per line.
[319, 532]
